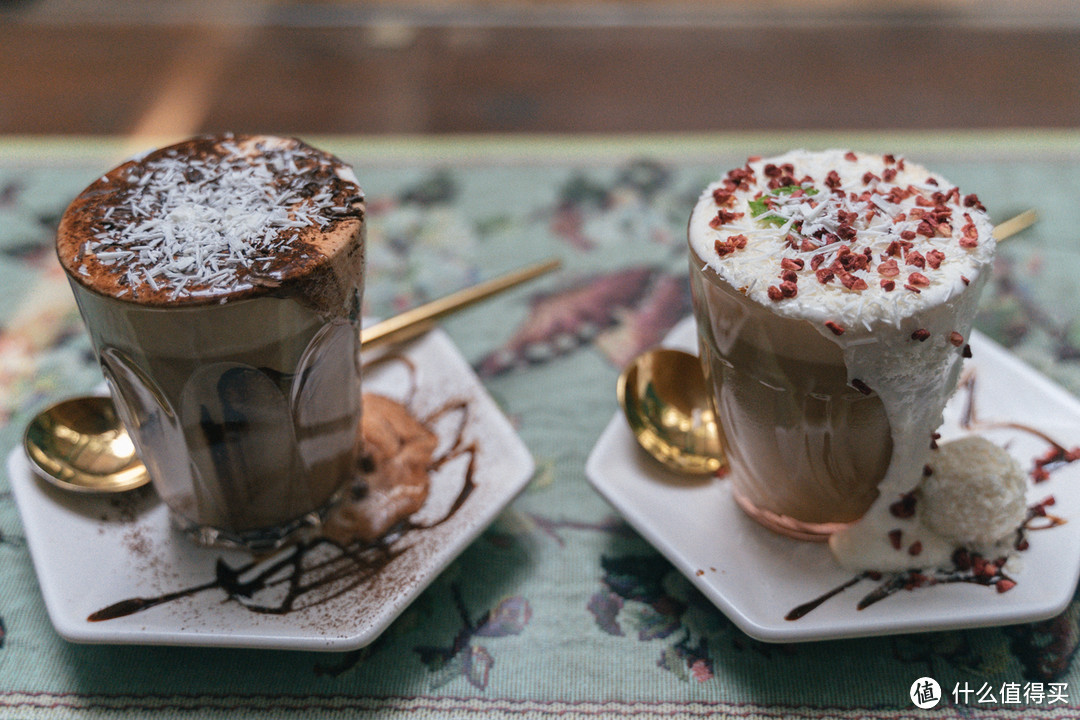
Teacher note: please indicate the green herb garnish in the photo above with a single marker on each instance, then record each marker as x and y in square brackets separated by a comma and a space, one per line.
[760, 205]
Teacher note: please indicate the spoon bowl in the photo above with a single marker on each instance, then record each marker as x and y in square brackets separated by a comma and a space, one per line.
[666, 402]
[80, 445]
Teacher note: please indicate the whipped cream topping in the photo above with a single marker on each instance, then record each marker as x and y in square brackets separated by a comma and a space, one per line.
[840, 237]
[210, 217]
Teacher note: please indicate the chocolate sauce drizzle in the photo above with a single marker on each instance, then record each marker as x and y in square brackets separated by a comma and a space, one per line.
[967, 567]
[314, 571]
[806, 607]
[1057, 454]
[895, 582]
[301, 569]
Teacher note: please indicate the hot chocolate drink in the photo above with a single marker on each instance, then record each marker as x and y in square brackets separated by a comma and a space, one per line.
[833, 293]
[220, 280]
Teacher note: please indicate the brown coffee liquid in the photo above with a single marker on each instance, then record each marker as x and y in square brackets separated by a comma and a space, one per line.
[801, 441]
[250, 410]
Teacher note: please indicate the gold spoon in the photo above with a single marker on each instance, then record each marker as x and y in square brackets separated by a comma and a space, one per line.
[666, 402]
[80, 444]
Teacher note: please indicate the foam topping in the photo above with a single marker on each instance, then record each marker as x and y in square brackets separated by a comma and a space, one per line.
[209, 218]
[839, 237]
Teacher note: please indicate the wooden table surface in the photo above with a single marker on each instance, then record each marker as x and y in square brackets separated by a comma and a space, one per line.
[455, 66]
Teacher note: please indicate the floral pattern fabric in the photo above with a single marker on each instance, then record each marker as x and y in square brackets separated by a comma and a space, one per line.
[559, 609]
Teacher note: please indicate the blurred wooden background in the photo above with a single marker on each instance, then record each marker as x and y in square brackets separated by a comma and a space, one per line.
[454, 66]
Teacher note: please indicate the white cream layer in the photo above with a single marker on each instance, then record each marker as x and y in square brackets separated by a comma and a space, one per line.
[757, 266]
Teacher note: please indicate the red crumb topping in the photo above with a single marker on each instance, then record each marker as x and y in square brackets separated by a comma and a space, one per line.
[894, 538]
[824, 220]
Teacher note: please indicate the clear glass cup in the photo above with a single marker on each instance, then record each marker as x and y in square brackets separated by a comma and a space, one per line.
[806, 449]
[833, 293]
[246, 414]
[237, 370]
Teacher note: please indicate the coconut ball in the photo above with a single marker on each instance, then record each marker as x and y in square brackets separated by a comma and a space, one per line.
[975, 493]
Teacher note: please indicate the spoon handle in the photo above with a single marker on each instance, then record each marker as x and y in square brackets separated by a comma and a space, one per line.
[1015, 224]
[422, 318]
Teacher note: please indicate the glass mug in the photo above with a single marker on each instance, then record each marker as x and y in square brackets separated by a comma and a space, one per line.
[806, 449]
[246, 414]
[834, 337]
[237, 370]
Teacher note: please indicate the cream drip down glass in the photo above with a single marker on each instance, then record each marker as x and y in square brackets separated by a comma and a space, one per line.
[220, 280]
[833, 294]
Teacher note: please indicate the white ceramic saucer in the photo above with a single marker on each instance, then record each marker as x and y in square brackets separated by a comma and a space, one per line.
[92, 552]
[756, 577]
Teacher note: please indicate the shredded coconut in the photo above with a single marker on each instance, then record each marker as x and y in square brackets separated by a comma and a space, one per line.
[201, 221]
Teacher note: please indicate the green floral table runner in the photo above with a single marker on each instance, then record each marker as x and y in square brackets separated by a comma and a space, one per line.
[559, 609]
